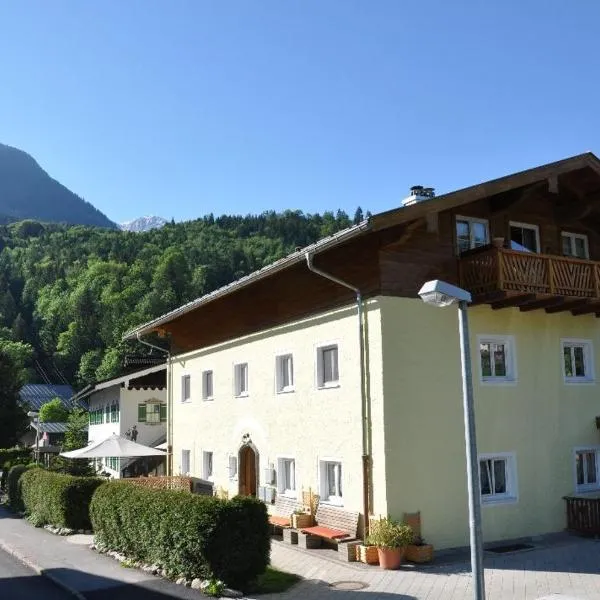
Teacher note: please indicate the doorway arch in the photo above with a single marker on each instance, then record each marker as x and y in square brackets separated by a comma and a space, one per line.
[248, 460]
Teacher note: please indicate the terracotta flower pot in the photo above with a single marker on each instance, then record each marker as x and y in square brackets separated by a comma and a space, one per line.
[390, 558]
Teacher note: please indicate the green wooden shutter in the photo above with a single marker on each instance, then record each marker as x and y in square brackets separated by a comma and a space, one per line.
[163, 412]
[142, 413]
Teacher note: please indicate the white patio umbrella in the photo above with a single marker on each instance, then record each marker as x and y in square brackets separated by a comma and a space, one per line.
[116, 446]
[162, 446]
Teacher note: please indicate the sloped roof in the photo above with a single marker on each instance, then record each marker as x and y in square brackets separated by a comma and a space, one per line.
[382, 221]
[50, 427]
[34, 395]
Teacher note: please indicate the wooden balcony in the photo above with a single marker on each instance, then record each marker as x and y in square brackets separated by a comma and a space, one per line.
[503, 278]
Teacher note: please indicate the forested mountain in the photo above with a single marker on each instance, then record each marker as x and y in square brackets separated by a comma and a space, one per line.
[67, 294]
[28, 192]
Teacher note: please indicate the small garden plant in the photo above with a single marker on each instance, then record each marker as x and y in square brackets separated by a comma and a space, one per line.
[388, 533]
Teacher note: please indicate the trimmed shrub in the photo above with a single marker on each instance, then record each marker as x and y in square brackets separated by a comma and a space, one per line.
[15, 498]
[12, 454]
[187, 535]
[56, 499]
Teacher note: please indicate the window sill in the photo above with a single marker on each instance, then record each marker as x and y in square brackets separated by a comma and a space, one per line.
[499, 501]
[209, 399]
[333, 501]
[242, 395]
[188, 401]
[498, 381]
[286, 391]
[579, 381]
[329, 386]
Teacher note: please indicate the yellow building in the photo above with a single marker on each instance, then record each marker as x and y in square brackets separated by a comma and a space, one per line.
[326, 372]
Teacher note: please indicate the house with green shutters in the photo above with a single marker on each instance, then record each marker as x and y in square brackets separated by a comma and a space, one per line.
[133, 406]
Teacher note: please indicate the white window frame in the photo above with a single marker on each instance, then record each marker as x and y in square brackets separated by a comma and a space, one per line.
[588, 360]
[208, 460]
[232, 465]
[185, 376]
[238, 371]
[154, 412]
[320, 370]
[576, 236]
[186, 457]
[512, 489]
[510, 358]
[470, 220]
[526, 226]
[337, 500]
[280, 362]
[281, 483]
[205, 376]
[586, 487]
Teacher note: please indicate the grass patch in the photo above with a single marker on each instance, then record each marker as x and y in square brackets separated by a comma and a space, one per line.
[272, 581]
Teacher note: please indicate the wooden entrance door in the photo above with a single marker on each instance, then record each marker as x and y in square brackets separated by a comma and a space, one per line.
[248, 460]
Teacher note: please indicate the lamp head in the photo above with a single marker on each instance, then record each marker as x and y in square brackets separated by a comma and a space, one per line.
[440, 293]
[33, 414]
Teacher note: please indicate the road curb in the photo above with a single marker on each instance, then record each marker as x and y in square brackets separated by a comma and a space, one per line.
[40, 570]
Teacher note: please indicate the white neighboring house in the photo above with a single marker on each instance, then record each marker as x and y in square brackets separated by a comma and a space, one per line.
[118, 405]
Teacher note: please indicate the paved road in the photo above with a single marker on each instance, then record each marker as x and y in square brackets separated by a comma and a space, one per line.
[18, 582]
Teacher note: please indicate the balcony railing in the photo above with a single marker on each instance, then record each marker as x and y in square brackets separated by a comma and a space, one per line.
[490, 270]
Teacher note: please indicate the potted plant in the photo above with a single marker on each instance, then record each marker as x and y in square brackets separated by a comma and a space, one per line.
[391, 539]
[419, 551]
[301, 519]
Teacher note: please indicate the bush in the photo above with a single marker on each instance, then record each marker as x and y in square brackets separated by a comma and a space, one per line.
[187, 535]
[60, 500]
[12, 454]
[14, 485]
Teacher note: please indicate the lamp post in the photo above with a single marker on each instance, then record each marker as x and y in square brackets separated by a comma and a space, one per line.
[440, 293]
[34, 416]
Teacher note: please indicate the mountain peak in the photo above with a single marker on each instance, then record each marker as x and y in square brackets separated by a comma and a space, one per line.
[143, 224]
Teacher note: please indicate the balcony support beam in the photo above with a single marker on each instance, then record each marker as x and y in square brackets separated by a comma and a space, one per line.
[547, 302]
[513, 301]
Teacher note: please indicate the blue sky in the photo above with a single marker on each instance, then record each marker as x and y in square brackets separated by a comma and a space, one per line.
[180, 108]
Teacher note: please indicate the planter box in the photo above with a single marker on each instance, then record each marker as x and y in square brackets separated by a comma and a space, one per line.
[367, 554]
[419, 554]
[301, 521]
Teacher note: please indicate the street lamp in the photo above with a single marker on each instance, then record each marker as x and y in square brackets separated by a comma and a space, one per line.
[440, 293]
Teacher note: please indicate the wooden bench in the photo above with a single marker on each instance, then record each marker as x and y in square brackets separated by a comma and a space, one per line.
[283, 508]
[333, 524]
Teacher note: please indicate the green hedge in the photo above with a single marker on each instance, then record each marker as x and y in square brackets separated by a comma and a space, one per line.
[14, 485]
[56, 499]
[12, 454]
[187, 535]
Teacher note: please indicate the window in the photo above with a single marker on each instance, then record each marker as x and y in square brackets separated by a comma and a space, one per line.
[207, 465]
[496, 359]
[331, 481]
[114, 412]
[185, 462]
[497, 477]
[112, 462]
[286, 476]
[96, 416]
[152, 413]
[578, 361]
[284, 374]
[233, 467]
[575, 244]
[207, 385]
[524, 237]
[586, 469]
[471, 233]
[327, 366]
[241, 379]
[186, 388]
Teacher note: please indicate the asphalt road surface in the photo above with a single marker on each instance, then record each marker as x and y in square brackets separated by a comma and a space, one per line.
[18, 582]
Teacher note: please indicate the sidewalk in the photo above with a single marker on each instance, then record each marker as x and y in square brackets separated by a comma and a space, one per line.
[70, 563]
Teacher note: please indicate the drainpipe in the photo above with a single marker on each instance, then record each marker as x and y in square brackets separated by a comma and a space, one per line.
[169, 402]
[365, 408]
